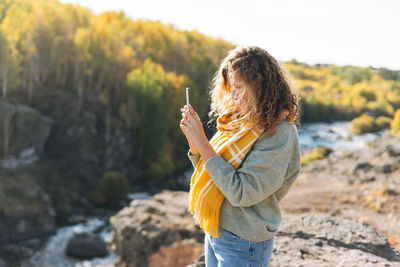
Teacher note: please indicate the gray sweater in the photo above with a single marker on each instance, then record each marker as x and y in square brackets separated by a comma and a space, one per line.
[253, 191]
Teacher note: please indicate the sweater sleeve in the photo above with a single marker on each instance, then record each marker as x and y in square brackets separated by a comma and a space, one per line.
[194, 158]
[261, 174]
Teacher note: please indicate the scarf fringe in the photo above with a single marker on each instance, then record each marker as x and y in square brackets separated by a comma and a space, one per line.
[208, 216]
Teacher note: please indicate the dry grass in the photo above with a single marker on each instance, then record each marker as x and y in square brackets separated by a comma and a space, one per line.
[380, 199]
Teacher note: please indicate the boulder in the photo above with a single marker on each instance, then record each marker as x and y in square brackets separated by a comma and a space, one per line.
[23, 131]
[142, 228]
[178, 254]
[317, 239]
[86, 246]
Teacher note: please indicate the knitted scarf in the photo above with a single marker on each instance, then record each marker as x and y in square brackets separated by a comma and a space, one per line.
[232, 143]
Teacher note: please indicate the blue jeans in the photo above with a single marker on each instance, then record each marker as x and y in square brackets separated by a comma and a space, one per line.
[230, 250]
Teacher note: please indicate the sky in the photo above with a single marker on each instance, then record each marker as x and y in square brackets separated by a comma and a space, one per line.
[342, 32]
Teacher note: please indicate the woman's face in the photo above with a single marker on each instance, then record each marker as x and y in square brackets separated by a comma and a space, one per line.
[239, 87]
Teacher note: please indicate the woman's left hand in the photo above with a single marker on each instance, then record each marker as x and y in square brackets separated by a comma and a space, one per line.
[192, 126]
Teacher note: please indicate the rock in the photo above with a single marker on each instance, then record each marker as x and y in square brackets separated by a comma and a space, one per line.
[316, 239]
[392, 150]
[367, 179]
[142, 228]
[315, 136]
[364, 166]
[79, 138]
[75, 219]
[26, 210]
[86, 246]
[200, 262]
[15, 250]
[386, 168]
[22, 148]
[181, 253]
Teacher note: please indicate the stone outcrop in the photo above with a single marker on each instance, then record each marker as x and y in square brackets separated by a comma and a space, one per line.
[79, 150]
[145, 226]
[317, 239]
[26, 210]
[23, 133]
[51, 159]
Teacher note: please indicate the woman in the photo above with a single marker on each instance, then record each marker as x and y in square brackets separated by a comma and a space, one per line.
[250, 163]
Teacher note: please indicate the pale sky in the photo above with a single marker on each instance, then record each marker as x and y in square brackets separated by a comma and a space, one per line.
[355, 32]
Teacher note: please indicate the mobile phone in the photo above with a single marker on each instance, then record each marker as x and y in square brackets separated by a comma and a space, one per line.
[187, 96]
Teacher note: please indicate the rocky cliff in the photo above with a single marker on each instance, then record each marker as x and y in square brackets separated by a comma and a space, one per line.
[52, 158]
[26, 209]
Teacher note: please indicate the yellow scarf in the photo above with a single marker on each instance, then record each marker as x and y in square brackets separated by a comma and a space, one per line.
[232, 143]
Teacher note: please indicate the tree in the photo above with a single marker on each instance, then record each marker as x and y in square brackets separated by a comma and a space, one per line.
[4, 64]
[147, 86]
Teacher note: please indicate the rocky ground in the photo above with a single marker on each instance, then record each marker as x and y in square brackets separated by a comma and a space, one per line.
[318, 239]
[342, 211]
[360, 185]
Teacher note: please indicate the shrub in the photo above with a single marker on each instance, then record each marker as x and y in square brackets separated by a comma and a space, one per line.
[160, 169]
[316, 154]
[395, 125]
[113, 186]
[63, 211]
[363, 124]
[383, 122]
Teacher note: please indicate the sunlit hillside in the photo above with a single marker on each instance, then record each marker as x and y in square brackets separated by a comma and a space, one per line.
[337, 93]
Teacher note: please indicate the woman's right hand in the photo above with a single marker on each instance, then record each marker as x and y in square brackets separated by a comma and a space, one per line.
[193, 148]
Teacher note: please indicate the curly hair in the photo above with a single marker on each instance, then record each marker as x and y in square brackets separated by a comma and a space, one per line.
[269, 99]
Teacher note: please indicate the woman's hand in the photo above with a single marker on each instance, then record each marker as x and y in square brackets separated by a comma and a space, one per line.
[192, 127]
[194, 132]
